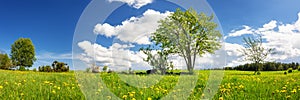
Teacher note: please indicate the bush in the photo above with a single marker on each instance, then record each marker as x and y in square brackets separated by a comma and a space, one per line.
[87, 69]
[290, 70]
[285, 73]
[258, 73]
[22, 68]
[34, 69]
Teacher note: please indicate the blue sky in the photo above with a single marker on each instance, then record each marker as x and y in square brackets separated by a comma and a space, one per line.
[51, 23]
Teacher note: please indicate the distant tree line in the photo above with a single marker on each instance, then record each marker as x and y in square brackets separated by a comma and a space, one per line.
[55, 67]
[269, 66]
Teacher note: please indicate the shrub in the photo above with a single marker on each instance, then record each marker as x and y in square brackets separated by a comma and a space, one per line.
[290, 70]
[87, 69]
[34, 69]
[22, 68]
[258, 73]
[285, 73]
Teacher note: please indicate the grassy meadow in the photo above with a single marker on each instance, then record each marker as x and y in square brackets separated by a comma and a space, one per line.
[236, 85]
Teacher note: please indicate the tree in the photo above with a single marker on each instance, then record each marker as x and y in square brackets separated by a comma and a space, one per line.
[60, 66]
[187, 34]
[156, 58]
[23, 53]
[255, 52]
[105, 68]
[5, 62]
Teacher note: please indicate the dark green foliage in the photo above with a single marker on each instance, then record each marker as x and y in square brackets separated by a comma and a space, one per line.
[45, 69]
[22, 68]
[269, 66]
[285, 73]
[290, 70]
[105, 68]
[34, 69]
[23, 53]
[56, 67]
[5, 62]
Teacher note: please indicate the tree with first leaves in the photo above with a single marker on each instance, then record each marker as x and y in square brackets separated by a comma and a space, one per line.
[23, 53]
[255, 52]
[188, 34]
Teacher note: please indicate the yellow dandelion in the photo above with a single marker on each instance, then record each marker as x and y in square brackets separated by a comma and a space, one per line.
[108, 97]
[133, 99]
[221, 98]
[283, 91]
[58, 88]
[124, 96]
[149, 98]
[1, 87]
[288, 96]
[22, 94]
[294, 91]
[131, 95]
[6, 83]
[53, 92]
[46, 82]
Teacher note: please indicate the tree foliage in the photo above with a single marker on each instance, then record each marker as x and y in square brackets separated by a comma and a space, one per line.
[255, 52]
[157, 58]
[55, 67]
[188, 34]
[23, 53]
[5, 62]
[267, 66]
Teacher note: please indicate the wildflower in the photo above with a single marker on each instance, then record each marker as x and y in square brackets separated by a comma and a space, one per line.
[58, 88]
[6, 83]
[124, 96]
[22, 94]
[149, 98]
[46, 82]
[283, 91]
[1, 87]
[108, 97]
[133, 99]
[294, 91]
[221, 98]
[53, 92]
[288, 96]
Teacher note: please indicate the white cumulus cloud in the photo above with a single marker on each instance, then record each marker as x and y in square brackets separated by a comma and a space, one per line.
[134, 30]
[134, 3]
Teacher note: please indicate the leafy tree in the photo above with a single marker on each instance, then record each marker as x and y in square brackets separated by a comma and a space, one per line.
[188, 34]
[5, 62]
[23, 53]
[60, 66]
[255, 52]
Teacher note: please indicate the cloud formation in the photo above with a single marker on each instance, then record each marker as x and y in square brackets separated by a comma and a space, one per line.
[134, 3]
[134, 30]
[284, 38]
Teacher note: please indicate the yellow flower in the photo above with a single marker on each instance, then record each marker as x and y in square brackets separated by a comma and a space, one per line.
[22, 94]
[288, 96]
[6, 83]
[221, 98]
[46, 82]
[124, 96]
[58, 88]
[53, 92]
[294, 91]
[149, 98]
[133, 99]
[1, 87]
[283, 91]
[108, 97]
[131, 95]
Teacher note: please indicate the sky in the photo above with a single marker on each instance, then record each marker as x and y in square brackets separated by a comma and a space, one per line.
[51, 25]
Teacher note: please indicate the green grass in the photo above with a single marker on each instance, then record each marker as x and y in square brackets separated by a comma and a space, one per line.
[236, 85]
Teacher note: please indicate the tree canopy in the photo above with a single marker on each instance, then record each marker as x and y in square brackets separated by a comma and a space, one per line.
[187, 34]
[23, 53]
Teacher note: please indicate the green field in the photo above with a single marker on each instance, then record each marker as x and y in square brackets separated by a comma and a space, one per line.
[236, 85]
